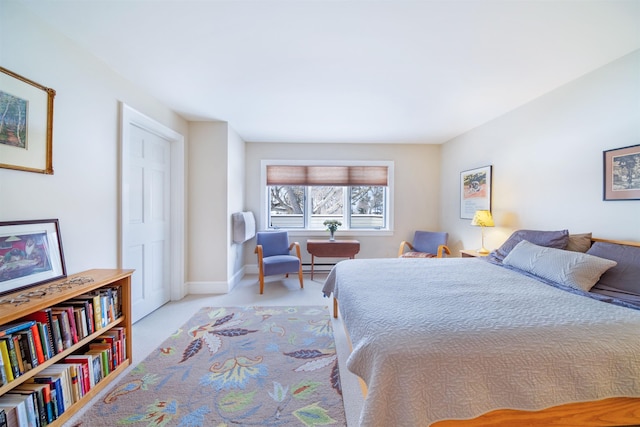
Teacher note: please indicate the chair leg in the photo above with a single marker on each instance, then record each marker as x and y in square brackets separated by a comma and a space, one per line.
[261, 283]
[300, 277]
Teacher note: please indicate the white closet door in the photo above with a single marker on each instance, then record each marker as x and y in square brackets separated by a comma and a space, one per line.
[147, 220]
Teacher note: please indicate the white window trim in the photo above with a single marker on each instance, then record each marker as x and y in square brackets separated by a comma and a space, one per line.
[264, 200]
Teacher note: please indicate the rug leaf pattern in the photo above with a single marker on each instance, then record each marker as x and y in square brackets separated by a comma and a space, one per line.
[234, 366]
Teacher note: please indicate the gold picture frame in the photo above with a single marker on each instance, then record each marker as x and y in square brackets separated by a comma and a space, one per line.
[26, 124]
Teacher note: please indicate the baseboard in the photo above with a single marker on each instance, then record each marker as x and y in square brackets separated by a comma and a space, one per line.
[207, 288]
[306, 268]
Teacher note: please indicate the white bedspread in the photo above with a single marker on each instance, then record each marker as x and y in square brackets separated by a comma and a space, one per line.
[455, 338]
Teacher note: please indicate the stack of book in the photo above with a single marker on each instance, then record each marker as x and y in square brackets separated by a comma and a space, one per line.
[50, 392]
[42, 335]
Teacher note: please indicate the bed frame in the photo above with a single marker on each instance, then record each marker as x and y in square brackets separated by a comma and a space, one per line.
[613, 412]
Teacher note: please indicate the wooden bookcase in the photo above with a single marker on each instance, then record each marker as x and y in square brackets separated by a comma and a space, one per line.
[11, 312]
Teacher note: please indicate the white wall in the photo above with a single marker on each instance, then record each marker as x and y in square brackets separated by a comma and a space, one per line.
[83, 192]
[216, 190]
[235, 203]
[416, 189]
[207, 224]
[547, 160]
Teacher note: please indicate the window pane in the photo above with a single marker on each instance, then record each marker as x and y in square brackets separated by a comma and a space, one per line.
[326, 203]
[367, 207]
[286, 206]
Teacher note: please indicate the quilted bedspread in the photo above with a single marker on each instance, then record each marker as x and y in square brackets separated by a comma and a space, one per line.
[455, 338]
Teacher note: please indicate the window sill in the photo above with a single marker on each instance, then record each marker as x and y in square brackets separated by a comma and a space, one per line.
[339, 234]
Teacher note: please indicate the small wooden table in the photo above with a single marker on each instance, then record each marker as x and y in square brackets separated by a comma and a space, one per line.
[332, 249]
[471, 253]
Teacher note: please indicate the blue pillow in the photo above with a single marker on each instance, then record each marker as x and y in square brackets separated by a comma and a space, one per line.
[549, 239]
[626, 275]
[569, 268]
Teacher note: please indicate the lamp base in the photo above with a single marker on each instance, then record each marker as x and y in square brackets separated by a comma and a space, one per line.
[483, 251]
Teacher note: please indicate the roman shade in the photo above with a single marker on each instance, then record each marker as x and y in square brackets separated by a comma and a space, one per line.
[327, 175]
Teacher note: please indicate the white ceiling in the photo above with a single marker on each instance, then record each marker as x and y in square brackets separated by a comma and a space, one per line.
[348, 70]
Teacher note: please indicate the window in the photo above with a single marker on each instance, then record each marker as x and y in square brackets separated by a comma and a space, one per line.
[303, 197]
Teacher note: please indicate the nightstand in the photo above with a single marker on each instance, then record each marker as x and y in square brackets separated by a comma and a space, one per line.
[470, 253]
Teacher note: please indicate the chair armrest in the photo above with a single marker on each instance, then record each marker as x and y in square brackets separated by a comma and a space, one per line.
[258, 251]
[402, 245]
[297, 246]
[441, 249]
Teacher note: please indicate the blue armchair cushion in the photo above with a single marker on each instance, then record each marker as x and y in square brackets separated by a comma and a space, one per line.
[273, 243]
[280, 264]
[428, 241]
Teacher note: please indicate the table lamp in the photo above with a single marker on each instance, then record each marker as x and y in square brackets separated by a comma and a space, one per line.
[482, 218]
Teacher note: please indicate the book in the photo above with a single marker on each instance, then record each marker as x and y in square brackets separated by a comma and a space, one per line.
[20, 402]
[37, 342]
[11, 414]
[122, 335]
[65, 327]
[81, 321]
[3, 419]
[43, 398]
[88, 378]
[44, 317]
[47, 342]
[55, 394]
[108, 356]
[111, 338]
[12, 328]
[57, 335]
[3, 376]
[28, 348]
[94, 297]
[75, 381]
[96, 361]
[37, 403]
[49, 402]
[6, 361]
[73, 327]
[87, 305]
[58, 390]
[101, 361]
[18, 351]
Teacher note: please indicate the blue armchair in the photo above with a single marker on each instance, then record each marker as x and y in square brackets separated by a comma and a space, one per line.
[426, 244]
[274, 257]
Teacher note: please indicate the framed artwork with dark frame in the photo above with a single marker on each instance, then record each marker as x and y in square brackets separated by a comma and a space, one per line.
[26, 124]
[475, 191]
[30, 254]
[622, 173]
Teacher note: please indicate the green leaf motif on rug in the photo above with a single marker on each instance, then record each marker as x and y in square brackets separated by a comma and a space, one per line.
[313, 415]
[304, 389]
[236, 372]
[236, 401]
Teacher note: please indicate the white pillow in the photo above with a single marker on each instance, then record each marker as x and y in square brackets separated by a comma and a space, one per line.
[575, 269]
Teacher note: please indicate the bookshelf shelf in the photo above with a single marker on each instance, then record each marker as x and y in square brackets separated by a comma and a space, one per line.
[57, 293]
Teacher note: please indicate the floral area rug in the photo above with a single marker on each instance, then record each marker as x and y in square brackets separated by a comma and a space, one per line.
[240, 366]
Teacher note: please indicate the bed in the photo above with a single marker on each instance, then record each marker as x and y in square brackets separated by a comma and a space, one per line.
[503, 341]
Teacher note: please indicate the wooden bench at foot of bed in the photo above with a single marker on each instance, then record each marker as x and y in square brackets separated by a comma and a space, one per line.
[618, 411]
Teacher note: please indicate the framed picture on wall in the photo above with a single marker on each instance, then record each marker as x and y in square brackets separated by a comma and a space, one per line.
[26, 124]
[30, 254]
[475, 191]
[622, 173]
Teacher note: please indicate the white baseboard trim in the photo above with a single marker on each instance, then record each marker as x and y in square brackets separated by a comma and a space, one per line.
[207, 287]
[306, 268]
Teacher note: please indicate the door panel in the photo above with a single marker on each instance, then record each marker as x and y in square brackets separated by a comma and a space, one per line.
[147, 236]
